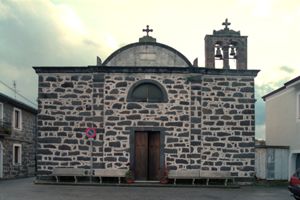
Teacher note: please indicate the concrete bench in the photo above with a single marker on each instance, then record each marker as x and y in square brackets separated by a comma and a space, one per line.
[215, 175]
[119, 173]
[73, 172]
[184, 174]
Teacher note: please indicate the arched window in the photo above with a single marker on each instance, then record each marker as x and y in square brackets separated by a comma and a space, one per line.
[147, 91]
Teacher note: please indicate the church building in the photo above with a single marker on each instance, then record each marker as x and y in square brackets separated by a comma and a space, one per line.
[151, 110]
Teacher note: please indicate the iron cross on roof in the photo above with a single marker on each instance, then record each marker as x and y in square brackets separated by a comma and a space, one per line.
[226, 24]
[147, 30]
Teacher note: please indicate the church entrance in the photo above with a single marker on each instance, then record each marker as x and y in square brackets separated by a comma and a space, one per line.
[147, 155]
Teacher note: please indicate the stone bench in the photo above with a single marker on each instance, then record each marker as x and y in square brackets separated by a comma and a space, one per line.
[184, 174]
[119, 173]
[215, 175]
[69, 172]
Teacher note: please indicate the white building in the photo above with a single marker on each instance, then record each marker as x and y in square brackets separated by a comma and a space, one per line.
[283, 120]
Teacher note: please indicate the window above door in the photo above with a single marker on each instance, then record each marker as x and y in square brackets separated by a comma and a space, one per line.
[147, 91]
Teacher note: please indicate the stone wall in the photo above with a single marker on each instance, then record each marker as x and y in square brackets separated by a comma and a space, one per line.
[228, 126]
[207, 122]
[68, 104]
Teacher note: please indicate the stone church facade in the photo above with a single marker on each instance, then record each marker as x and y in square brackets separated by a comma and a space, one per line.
[152, 109]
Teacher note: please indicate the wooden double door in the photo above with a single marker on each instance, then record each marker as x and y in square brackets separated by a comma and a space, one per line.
[147, 155]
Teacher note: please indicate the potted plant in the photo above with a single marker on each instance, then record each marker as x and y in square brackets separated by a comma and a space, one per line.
[129, 177]
[164, 178]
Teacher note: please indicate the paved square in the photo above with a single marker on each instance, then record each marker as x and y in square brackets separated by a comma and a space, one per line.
[25, 189]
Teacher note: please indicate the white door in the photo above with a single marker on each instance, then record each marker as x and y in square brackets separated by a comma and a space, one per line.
[1, 160]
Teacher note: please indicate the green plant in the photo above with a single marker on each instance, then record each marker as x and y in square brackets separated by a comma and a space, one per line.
[128, 175]
[6, 131]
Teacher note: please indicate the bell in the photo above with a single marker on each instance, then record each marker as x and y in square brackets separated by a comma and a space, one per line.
[218, 53]
[232, 52]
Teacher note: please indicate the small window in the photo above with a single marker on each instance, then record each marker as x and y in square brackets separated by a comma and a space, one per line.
[17, 122]
[147, 91]
[1, 113]
[298, 106]
[17, 154]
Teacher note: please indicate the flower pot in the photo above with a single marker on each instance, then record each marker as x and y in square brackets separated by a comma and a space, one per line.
[164, 181]
[129, 181]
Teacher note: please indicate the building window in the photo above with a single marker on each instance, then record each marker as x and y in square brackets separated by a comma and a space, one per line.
[298, 106]
[147, 91]
[1, 113]
[17, 119]
[17, 154]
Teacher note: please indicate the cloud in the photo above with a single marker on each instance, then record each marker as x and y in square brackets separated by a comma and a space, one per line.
[37, 33]
[91, 42]
[287, 69]
[260, 132]
[263, 8]
[260, 90]
[41, 33]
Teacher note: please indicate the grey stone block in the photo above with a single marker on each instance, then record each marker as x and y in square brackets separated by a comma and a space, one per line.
[51, 79]
[64, 147]
[67, 85]
[133, 106]
[75, 78]
[117, 106]
[48, 95]
[73, 118]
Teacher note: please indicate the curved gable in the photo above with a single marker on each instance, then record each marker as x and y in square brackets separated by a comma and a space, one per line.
[147, 54]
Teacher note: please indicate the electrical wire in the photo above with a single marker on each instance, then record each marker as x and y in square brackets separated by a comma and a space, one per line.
[18, 93]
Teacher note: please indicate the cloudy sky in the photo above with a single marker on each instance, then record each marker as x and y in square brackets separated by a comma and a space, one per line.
[74, 32]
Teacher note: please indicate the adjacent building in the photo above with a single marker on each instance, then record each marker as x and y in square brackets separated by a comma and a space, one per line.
[152, 109]
[17, 138]
[271, 162]
[283, 120]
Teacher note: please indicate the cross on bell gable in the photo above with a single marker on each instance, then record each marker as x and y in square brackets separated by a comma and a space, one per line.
[226, 24]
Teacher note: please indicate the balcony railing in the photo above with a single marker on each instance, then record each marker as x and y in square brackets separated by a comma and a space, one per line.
[5, 127]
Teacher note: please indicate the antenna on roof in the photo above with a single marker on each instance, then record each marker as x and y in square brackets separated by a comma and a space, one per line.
[15, 88]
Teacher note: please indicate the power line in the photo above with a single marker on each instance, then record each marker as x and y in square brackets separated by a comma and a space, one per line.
[12, 89]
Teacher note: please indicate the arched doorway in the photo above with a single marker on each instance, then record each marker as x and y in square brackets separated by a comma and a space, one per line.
[1, 160]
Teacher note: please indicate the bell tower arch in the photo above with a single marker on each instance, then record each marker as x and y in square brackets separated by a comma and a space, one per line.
[226, 44]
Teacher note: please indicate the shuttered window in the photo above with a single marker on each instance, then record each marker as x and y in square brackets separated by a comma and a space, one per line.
[17, 154]
[298, 106]
[1, 113]
[147, 92]
[17, 119]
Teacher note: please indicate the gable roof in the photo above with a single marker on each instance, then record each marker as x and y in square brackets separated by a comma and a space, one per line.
[6, 99]
[285, 85]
